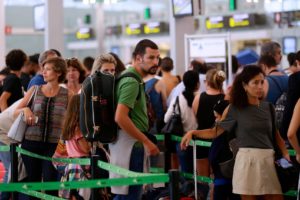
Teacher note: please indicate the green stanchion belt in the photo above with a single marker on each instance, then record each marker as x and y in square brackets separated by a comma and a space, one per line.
[4, 148]
[97, 183]
[121, 171]
[80, 161]
[161, 137]
[135, 177]
[202, 143]
[40, 195]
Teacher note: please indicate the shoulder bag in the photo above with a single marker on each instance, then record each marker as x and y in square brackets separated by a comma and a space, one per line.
[174, 126]
[19, 126]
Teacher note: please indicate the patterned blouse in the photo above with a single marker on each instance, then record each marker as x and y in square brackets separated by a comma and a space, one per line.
[50, 112]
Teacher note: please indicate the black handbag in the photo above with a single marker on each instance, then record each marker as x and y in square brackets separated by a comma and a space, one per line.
[174, 125]
[226, 167]
[287, 172]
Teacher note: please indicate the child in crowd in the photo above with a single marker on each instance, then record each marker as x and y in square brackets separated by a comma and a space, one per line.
[77, 147]
[218, 153]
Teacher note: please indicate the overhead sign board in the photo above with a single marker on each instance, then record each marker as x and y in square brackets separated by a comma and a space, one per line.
[152, 28]
[241, 20]
[215, 22]
[212, 47]
[134, 29]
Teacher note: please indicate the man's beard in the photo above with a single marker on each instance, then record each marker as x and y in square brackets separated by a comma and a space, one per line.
[152, 70]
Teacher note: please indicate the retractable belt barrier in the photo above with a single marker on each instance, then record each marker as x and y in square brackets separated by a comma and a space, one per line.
[131, 178]
[161, 137]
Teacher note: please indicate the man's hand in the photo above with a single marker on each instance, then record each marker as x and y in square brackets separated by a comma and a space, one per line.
[151, 148]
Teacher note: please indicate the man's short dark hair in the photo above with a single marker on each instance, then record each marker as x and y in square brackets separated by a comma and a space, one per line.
[291, 57]
[140, 48]
[15, 59]
[34, 58]
[88, 62]
[167, 64]
[267, 60]
[199, 67]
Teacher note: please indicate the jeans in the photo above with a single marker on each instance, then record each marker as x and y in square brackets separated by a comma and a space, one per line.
[136, 165]
[185, 158]
[38, 169]
[5, 159]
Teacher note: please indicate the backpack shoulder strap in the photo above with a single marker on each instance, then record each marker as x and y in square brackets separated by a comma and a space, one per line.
[132, 75]
[276, 83]
[152, 84]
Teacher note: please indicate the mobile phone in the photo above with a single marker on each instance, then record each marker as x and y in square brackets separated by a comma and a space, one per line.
[284, 163]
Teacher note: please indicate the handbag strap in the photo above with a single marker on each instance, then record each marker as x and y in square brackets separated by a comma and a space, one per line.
[275, 145]
[32, 97]
[176, 104]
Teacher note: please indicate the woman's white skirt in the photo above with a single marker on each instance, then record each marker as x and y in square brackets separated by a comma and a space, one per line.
[254, 172]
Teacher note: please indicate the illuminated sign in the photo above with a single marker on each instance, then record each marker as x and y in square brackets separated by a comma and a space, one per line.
[152, 28]
[240, 20]
[84, 33]
[147, 28]
[133, 29]
[215, 22]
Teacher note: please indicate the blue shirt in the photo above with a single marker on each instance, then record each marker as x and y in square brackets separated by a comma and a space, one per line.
[36, 80]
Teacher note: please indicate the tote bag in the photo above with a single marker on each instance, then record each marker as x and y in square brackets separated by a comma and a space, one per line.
[7, 116]
[19, 126]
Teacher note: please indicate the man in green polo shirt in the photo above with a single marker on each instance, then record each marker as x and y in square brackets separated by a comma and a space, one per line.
[132, 147]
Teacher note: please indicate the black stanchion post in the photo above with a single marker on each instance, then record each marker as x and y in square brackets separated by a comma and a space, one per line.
[167, 152]
[94, 161]
[14, 167]
[174, 184]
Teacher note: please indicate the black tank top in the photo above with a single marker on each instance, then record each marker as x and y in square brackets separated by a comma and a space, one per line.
[205, 114]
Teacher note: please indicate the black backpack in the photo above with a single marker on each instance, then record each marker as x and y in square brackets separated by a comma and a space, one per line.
[98, 106]
[279, 105]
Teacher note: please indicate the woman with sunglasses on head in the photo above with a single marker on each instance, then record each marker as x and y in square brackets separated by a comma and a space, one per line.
[45, 121]
[75, 75]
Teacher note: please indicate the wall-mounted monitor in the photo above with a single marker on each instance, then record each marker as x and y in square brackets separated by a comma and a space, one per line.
[39, 17]
[182, 8]
[289, 44]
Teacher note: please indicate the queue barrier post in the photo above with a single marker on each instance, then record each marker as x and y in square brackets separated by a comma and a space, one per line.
[174, 184]
[167, 153]
[14, 167]
[94, 165]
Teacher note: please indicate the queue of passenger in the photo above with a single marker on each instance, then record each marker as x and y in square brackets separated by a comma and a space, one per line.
[54, 114]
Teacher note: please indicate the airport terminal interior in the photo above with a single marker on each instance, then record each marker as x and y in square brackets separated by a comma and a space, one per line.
[219, 37]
